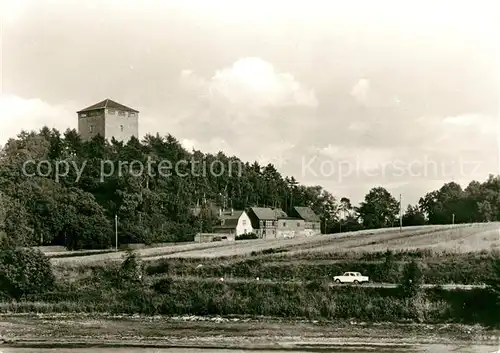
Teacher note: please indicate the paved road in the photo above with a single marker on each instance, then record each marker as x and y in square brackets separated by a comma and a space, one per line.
[370, 284]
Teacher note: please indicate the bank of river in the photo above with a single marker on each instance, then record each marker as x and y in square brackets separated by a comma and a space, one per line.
[91, 333]
[415, 349]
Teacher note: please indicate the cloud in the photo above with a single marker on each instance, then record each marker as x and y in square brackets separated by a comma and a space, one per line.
[361, 90]
[243, 108]
[251, 83]
[213, 146]
[18, 113]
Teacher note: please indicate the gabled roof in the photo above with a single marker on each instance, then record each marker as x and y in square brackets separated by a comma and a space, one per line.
[264, 213]
[228, 224]
[235, 215]
[280, 213]
[108, 103]
[307, 214]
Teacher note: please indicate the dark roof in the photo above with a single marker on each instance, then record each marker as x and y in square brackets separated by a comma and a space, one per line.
[226, 215]
[307, 214]
[264, 213]
[108, 103]
[227, 225]
[280, 213]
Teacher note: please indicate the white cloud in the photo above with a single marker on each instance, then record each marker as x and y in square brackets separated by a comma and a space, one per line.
[213, 146]
[17, 113]
[188, 144]
[358, 126]
[361, 90]
[251, 83]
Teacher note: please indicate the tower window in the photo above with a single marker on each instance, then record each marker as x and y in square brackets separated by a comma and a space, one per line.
[121, 128]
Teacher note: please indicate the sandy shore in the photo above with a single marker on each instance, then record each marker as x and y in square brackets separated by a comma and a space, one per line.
[79, 330]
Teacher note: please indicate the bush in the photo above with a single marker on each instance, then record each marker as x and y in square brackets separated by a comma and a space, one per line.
[24, 272]
[412, 279]
[247, 236]
[131, 270]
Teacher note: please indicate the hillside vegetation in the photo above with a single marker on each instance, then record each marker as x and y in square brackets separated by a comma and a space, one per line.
[76, 208]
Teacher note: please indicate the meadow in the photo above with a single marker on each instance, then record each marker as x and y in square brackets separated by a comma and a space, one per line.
[463, 238]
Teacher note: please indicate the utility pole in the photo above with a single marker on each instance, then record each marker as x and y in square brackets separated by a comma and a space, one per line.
[400, 214]
[116, 232]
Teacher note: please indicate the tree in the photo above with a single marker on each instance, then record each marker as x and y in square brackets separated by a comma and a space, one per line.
[390, 268]
[24, 272]
[413, 216]
[412, 279]
[379, 209]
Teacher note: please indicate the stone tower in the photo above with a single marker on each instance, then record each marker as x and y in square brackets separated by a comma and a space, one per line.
[108, 119]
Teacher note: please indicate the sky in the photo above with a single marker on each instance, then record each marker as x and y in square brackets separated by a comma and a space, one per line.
[346, 95]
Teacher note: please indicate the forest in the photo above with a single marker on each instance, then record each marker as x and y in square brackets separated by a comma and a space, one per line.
[77, 206]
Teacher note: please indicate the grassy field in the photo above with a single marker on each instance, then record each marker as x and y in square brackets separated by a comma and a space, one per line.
[445, 238]
[294, 277]
[457, 238]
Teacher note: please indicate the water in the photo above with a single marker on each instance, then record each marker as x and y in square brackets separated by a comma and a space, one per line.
[416, 349]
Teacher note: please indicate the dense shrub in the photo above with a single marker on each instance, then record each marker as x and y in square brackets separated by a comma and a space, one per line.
[467, 269]
[412, 279]
[24, 272]
[247, 236]
[312, 300]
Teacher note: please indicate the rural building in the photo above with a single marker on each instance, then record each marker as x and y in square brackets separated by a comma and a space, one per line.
[288, 227]
[264, 222]
[233, 222]
[311, 220]
[108, 119]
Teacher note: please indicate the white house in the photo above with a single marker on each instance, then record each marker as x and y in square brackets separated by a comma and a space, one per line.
[233, 222]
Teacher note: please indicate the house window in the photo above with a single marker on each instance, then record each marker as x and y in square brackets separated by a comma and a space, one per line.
[121, 113]
[298, 224]
[131, 114]
[83, 115]
[121, 128]
[91, 128]
[244, 222]
[112, 112]
[284, 224]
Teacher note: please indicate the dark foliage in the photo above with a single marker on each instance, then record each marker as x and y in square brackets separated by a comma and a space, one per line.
[24, 272]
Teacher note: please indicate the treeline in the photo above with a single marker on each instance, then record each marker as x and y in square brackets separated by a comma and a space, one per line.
[76, 207]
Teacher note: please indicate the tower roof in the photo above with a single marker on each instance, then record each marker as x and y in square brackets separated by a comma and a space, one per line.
[108, 103]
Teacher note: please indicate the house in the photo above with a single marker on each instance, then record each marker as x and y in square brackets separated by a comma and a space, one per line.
[233, 222]
[264, 222]
[108, 119]
[312, 221]
[288, 227]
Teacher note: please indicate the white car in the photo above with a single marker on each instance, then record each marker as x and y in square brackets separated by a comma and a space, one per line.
[351, 277]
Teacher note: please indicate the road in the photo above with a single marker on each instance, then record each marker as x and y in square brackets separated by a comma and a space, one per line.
[370, 284]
